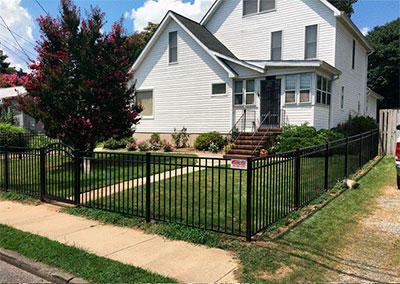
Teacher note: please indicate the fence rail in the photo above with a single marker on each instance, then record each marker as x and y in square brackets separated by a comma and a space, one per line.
[205, 193]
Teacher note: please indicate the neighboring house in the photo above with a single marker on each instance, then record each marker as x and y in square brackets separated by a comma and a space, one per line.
[296, 60]
[23, 120]
[371, 105]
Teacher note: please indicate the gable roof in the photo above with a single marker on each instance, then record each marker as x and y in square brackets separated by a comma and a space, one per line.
[204, 35]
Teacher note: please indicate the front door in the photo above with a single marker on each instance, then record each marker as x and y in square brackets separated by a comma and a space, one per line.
[270, 100]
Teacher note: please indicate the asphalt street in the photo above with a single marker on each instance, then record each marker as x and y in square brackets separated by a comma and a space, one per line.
[12, 274]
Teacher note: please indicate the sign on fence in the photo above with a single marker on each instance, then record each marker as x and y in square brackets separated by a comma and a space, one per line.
[239, 164]
[388, 121]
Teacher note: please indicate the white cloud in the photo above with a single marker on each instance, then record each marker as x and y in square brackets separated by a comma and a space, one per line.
[365, 30]
[19, 21]
[154, 11]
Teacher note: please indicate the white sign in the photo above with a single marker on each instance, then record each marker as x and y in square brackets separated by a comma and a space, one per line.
[239, 164]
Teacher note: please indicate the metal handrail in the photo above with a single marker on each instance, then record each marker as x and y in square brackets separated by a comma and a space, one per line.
[252, 137]
[243, 116]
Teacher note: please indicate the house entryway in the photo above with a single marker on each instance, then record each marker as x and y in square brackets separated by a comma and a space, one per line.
[270, 103]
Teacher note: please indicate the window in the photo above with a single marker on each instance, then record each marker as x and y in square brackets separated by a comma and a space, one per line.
[276, 46]
[256, 6]
[290, 90]
[324, 91]
[311, 42]
[250, 92]
[354, 55]
[305, 88]
[173, 47]
[342, 99]
[219, 89]
[239, 93]
[145, 99]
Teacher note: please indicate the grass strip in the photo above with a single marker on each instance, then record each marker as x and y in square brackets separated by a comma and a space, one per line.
[73, 260]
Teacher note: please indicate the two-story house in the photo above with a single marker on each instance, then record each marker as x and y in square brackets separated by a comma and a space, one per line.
[283, 61]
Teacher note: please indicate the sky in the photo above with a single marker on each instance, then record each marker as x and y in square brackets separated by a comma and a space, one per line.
[20, 17]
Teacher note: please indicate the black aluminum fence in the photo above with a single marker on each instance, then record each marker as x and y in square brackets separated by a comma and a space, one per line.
[205, 193]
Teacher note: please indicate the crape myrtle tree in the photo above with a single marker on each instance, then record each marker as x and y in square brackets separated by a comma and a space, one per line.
[80, 86]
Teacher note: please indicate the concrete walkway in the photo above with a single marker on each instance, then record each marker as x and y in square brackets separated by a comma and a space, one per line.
[176, 259]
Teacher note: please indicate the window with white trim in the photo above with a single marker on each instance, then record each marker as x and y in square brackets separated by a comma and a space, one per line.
[145, 100]
[342, 99]
[305, 88]
[311, 42]
[238, 93]
[353, 63]
[290, 89]
[276, 46]
[257, 6]
[173, 47]
[324, 91]
[219, 89]
[250, 89]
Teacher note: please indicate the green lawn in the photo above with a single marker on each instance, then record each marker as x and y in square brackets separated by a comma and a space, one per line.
[78, 262]
[215, 199]
[105, 169]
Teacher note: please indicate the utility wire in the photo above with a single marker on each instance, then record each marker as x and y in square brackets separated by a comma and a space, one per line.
[42, 7]
[12, 51]
[13, 45]
[30, 42]
[23, 50]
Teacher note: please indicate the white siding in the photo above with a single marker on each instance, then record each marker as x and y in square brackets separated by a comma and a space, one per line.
[353, 80]
[249, 37]
[298, 115]
[182, 92]
[371, 107]
[321, 117]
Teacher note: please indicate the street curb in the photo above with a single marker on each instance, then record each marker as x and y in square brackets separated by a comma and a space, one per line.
[41, 270]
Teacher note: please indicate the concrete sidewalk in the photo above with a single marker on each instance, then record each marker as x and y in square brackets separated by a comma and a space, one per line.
[176, 259]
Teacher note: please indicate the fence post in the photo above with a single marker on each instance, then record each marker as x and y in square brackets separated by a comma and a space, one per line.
[20, 143]
[346, 158]
[42, 173]
[326, 166]
[297, 180]
[361, 145]
[248, 199]
[77, 177]
[148, 185]
[6, 171]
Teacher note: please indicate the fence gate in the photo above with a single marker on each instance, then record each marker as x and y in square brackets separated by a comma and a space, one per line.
[58, 173]
[388, 121]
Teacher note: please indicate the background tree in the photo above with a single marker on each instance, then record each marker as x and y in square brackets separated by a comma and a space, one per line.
[79, 86]
[142, 38]
[384, 64]
[5, 66]
[344, 5]
[7, 116]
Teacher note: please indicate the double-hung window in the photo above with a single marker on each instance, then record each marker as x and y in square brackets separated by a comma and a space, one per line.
[290, 89]
[145, 100]
[219, 89]
[276, 46]
[257, 6]
[173, 47]
[305, 88]
[311, 42]
[250, 92]
[324, 91]
[238, 93]
[353, 63]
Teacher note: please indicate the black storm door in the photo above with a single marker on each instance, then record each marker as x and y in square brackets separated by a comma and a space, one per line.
[270, 99]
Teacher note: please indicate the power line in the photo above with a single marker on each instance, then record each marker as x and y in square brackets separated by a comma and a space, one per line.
[13, 45]
[42, 7]
[31, 43]
[13, 52]
[23, 50]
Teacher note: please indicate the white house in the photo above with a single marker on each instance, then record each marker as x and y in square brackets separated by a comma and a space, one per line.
[283, 61]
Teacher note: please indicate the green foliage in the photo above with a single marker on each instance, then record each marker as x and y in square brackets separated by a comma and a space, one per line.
[344, 5]
[9, 135]
[204, 141]
[155, 137]
[114, 144]
[384, 71]
[359, 124]
[304, 136]
[7, 116]
[4, 65]
[180, 138]
[228, 147]
[143, 146]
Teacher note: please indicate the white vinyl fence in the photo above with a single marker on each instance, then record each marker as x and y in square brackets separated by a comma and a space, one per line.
[388, 121]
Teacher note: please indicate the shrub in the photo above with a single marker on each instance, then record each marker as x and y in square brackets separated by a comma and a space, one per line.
[155, 137]
[132, 147]
[228, 147]
[143, 146]
[358, 124]
[204, 141]
[167, 147]
[181, 138]
[9, 135]
[213, 148]
[114, 144]
[155, 146]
